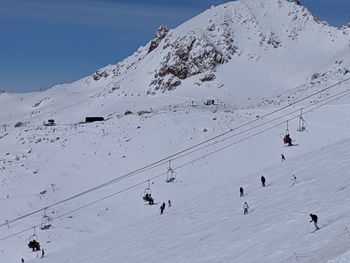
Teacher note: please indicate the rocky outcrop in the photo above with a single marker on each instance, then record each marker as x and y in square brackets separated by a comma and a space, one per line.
[190, 55]
[100, 74]
[160, 35]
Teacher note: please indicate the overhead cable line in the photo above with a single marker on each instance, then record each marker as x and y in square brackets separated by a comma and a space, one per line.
[181, 165]
[167, 158]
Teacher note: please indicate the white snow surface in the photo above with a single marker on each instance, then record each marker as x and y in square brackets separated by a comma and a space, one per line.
[275, 53]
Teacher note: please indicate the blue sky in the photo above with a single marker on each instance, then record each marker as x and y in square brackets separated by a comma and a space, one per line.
[47, 42]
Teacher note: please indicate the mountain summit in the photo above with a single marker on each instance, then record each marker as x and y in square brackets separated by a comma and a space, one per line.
[261, 46]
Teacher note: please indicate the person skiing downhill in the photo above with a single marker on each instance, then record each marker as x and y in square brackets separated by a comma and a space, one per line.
[263, 181]
[169, 203]
[162, 207]
[245, 208]
[241, 192]
[294, 179]
[283, 157]
[314, 219]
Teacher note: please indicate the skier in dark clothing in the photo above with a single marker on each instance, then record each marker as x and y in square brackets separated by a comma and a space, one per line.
[22, 260]
[263, 180]
[169, 203]
[283, 158]
[162, 207]
[294, 179]
[314, 219]
[241, 192]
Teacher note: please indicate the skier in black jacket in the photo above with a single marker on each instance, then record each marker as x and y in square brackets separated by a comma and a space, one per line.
[314, 219]
[283, 157]
[263, 180]
[162, 207]
[241, 192]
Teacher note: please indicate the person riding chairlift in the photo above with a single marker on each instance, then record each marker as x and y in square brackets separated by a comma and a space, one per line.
[148, 198]
[287, 139]
[34, 245]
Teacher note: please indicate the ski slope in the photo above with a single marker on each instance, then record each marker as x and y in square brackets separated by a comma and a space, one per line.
[207, 214]
[208, 224]
[41, 165]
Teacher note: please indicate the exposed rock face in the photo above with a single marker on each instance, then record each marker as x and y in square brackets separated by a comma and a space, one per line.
[208, 77]
[100, 74]
[160, 35]
[190, 55]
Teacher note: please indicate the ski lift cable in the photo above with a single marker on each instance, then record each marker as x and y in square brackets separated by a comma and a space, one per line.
[151, 166]
[259, 132]
[165, 159]
[138, 184]
[262, 124]
[177, 167]
[84, 206]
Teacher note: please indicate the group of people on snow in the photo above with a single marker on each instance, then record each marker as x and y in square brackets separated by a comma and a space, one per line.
[314, 217]
[162, 207]
[241, 194]
[148, 198]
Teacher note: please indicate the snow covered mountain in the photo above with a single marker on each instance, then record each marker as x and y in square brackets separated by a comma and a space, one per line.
[235, 45]
[254, 58]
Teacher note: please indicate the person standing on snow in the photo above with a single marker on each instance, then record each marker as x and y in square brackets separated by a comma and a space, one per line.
[314, 219]
[283, 158]
[245, 208]
[169, 203]
[241, 192]
[162, 207]
[294, 179]
[263, 180]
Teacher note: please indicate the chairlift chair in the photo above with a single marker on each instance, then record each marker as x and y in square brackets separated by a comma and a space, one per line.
[287, 130]
[33, 241]
[302, 122]
[147, 191]
[33, 236]
[286, 137]
[46, 222]
[170, 175]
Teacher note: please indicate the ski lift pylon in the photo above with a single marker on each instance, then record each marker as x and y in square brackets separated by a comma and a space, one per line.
[171, 174]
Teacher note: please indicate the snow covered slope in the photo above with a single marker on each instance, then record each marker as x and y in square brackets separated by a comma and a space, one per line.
[252, 57]
[210, 226]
